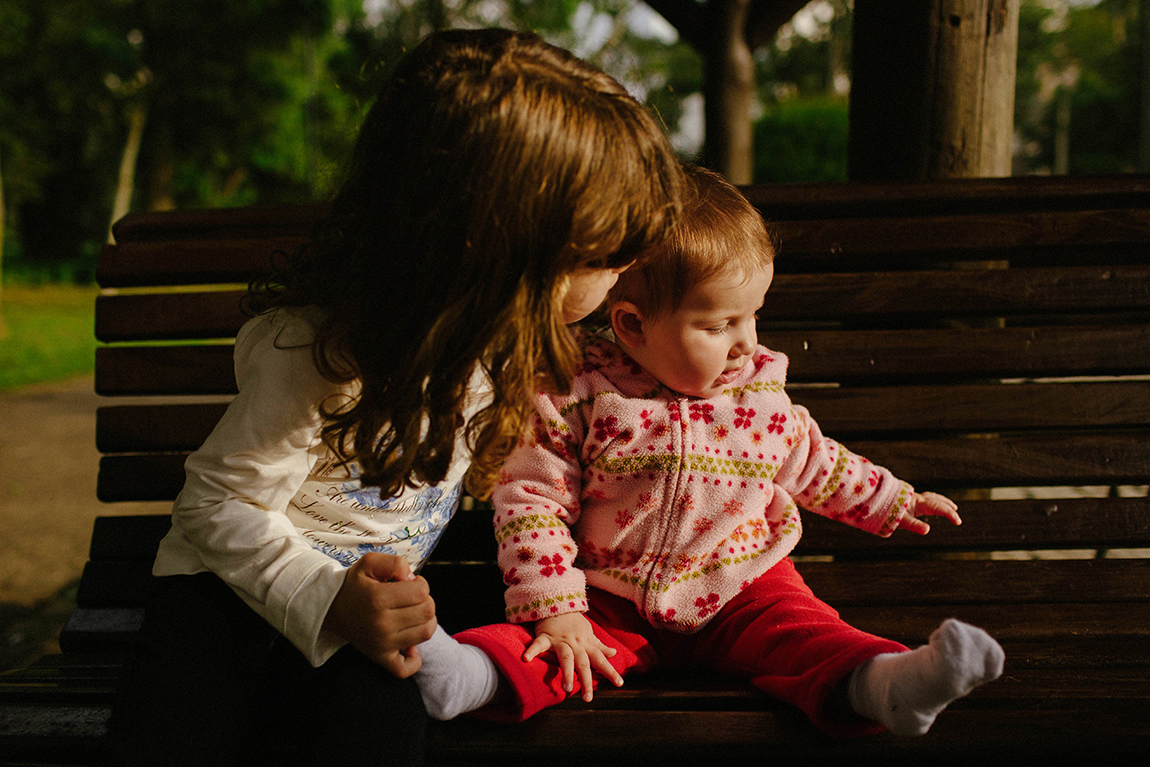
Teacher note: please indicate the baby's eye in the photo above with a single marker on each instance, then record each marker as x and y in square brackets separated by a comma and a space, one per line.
[718, 329]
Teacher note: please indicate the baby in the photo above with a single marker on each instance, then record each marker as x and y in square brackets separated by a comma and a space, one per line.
[648, 518]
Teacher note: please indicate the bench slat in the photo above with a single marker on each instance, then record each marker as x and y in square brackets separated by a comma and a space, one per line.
[570, 736]
[986, 292]
[143, 370]
[149, 428]
[1027, 627]
[967, 195]
[901, 239]
[816, 356]
[166, 316]
[988, 525]
[900, 410]
[977, 408]
[1087, 730]
[126, 583]
[954, 237]
[790, 201]
[248, 222]
[134, 537]
[945, 463]
[1071, 459]
[999, 525]
[188, 262]
[995, 292]
[962, 582]
[158, 477]
[963, 353]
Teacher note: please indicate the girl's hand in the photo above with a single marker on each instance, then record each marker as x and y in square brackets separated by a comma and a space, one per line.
[928, 504]
[574, 642]
[384, 611]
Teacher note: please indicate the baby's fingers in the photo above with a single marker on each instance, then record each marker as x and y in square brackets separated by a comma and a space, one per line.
[913, 524]
[599, 659]
[937, 505]
[583, 666]
[567, 666]
[541, 645]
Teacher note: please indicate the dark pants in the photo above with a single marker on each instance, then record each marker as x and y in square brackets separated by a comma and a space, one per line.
[212, 683]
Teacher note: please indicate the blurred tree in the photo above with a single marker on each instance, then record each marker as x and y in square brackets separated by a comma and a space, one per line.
[222, 102]
[804, 79]
[52, 119]
[802, 140]
[1079, 83]
[726, 33]
[212, 77]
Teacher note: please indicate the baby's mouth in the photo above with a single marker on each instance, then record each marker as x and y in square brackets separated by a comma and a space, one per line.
[729, 375]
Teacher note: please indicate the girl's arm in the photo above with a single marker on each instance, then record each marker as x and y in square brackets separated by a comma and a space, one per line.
[240, 482]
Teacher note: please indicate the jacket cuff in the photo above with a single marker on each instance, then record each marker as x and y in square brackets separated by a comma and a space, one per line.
[297, 605]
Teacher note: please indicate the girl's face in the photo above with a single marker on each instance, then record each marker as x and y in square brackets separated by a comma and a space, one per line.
[586, 289]
[702, 346]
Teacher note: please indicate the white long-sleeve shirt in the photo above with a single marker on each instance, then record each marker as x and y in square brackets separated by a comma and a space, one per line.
[264, 509]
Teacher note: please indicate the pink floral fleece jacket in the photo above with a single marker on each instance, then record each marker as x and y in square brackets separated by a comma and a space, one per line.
[672, 502]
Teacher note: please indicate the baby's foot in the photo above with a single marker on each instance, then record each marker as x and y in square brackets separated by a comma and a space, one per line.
[906, 691]
[455, 678]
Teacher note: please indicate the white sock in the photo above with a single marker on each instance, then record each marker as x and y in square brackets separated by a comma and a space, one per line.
[905, 691]
[454, 678]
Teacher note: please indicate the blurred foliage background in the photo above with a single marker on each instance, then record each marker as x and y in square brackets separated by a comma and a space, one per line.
[115, 105]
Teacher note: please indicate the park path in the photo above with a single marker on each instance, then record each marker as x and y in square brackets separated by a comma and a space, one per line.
[48, 465]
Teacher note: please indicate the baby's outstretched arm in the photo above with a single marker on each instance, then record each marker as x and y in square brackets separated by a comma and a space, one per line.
[571, 637]
[928, 504]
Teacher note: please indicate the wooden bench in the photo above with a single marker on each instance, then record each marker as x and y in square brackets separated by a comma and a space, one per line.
[970, 335]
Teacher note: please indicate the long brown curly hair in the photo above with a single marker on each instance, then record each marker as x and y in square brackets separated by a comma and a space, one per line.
[490, 167]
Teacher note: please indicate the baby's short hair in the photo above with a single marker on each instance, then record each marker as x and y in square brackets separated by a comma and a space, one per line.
[718, 232]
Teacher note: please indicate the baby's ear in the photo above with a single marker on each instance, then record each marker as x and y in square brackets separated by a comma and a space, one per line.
[627, 322]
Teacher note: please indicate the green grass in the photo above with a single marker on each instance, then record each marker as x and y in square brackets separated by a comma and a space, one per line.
[46, 333]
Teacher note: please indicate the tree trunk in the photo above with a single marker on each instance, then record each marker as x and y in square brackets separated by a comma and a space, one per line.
[728, 92]
[1144, 116]
[933, 89]
[137, 115]
[163, 164]
[725, 33]
[3, 213]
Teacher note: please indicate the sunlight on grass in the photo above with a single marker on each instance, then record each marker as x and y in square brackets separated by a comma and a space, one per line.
[47, 333]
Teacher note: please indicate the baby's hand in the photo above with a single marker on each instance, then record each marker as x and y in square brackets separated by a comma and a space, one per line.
[928, 504]
[573, 640]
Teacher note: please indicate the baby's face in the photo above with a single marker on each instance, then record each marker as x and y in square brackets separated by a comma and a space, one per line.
[702, 346]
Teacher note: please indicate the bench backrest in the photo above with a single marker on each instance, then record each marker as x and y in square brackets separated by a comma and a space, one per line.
[969, 335]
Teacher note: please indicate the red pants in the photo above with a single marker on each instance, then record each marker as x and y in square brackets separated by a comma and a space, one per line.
[776, 633]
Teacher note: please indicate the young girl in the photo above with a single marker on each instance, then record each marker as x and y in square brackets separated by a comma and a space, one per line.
[497, 188]
[648, 518]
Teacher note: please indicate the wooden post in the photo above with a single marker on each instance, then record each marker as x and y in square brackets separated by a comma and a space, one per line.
[728, 90]
[932, 94]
